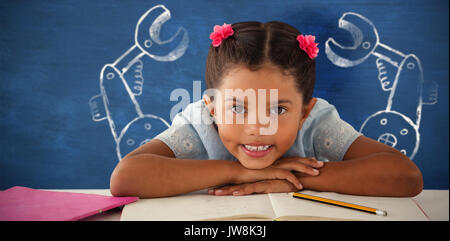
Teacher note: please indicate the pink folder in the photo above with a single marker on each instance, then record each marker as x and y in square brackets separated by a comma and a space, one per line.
[26, 204]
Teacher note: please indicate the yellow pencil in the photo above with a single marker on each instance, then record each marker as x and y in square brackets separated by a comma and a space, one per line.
[339, 203]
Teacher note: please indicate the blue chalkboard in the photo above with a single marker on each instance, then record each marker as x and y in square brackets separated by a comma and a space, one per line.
[82, 83]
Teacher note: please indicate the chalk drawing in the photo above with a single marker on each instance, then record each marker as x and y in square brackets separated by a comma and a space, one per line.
[122, 81]
[398, 73]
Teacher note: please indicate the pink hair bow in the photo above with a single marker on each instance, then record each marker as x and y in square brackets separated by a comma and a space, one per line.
[220, 33]
[306, 42]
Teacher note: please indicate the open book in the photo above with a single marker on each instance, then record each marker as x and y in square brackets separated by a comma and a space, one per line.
[281, 206]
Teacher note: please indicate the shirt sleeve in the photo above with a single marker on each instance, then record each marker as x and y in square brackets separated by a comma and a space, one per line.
[183, 140]
[332, 136]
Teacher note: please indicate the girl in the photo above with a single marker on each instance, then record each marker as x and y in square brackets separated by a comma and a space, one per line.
[311, 147]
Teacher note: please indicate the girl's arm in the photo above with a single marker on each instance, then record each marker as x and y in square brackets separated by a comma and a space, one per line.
[153, 171]
[369, 168]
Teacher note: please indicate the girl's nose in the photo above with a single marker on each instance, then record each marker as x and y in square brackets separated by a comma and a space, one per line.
[253, 126]
[251, 129]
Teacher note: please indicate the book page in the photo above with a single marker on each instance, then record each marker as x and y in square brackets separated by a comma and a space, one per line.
[200, 206]
[292, 208]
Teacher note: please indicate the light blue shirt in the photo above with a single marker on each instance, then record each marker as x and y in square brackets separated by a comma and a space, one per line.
[324, 135]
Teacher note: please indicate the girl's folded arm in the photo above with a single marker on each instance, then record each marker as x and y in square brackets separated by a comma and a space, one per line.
[369, 168]
[153, 171]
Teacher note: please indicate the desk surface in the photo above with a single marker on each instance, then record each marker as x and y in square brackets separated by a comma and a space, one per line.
[434, 203]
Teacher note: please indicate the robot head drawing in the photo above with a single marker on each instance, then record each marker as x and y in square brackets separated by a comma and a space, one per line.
[393, 129]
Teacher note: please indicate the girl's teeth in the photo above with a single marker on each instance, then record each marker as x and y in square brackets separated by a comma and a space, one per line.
[257, 148]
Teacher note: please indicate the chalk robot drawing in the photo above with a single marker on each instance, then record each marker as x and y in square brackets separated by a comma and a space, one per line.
[122, 81]
[399, 74]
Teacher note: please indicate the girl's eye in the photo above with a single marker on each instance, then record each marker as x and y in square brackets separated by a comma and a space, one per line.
[279, 110]
[238, 109]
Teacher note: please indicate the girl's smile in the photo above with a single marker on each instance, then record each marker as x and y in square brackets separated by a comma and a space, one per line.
[256, 150]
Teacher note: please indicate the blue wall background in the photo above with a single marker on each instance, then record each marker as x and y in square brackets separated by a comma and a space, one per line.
[55, 131]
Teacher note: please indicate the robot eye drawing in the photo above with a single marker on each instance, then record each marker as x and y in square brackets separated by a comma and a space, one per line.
[122, 81]
[398, 124]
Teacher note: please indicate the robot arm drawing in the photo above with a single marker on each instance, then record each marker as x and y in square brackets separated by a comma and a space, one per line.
[122, 81]
[398, 124]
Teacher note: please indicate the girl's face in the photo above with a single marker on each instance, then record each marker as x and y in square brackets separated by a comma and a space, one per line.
[244, 140]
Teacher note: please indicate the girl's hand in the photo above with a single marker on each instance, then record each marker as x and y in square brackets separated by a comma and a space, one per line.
[266, 186]
[281, 169]
[245, 175]
[304, 165]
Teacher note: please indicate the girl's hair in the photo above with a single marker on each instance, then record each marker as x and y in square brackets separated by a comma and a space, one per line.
[254, 44]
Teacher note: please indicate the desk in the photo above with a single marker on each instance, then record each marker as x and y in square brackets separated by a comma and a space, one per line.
[434, 203]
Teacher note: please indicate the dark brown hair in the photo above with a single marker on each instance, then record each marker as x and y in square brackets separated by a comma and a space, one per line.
[254, 44]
